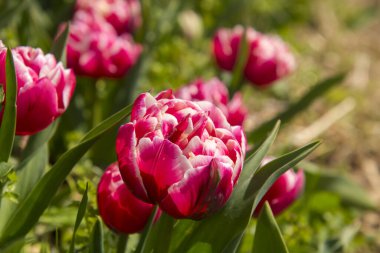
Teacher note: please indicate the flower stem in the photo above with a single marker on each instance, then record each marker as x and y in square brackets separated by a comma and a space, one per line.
[145, 234]
[122, 243]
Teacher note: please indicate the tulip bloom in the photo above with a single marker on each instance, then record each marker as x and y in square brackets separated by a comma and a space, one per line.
[180, 154]
[45, 88]
[95, 49]
[285, 190]
[123, 15]
[216, 92]
[118, 207]
[268, 60]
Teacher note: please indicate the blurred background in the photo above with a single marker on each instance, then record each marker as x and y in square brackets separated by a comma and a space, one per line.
[327, 37]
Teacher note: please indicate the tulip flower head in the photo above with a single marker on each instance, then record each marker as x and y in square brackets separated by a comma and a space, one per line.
[118, 207]
[268, 59]
[180, 154]
[95, 49]
[216, 92]
[285, 190]
[123, 15]
[45, 88]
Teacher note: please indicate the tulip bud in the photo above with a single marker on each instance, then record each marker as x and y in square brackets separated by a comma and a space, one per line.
[268, 59]
[180, 154]
[285, 190]
[216, 92]
[94, 49]
[45, 88]
[123, 15]
[118, 207]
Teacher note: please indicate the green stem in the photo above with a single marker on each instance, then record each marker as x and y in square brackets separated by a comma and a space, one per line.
[160, 238]
[97, 113]
[122, 243]
[145, 234]
[237, 74]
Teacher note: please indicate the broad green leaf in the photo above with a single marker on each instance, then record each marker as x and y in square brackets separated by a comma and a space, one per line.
[232, 220]
[160, 236]
[268, 236]
[81, 211]
[59, 45]
[8, 124]
[32, 207]
[28, 173]
[96, 243]
[349, 192]
[301, 105]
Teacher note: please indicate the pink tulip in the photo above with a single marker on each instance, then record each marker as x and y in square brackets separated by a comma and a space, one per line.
[123, 15]
[180, 154]
[284, 191]
[45, 88]
[94, 49]
[118, 207]
[215, 92]
[269, 59]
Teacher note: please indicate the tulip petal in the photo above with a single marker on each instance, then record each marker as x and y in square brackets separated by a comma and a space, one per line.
[37, 107]
[126, 154]
[161, 164]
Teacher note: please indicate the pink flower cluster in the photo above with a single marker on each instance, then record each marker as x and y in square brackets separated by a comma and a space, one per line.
[216, 92]
[268, 60]
[182, 155]
[45, 88]
[99, 45]
[123, 15]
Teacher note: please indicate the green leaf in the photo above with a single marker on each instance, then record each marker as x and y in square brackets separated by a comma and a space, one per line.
[234, 218]
[159, 239]
[349, 192]
[5, 168]
[8, 124]
[28, 174]
[81, 211]
[231, 221]
[268, 236]
[97, 244]
[59, 45]
[301, 105]
[32, 207]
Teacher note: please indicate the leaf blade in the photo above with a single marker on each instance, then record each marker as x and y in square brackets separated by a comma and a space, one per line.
[268, 237]
[81, 212]
[8, 124]
[96, 244]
